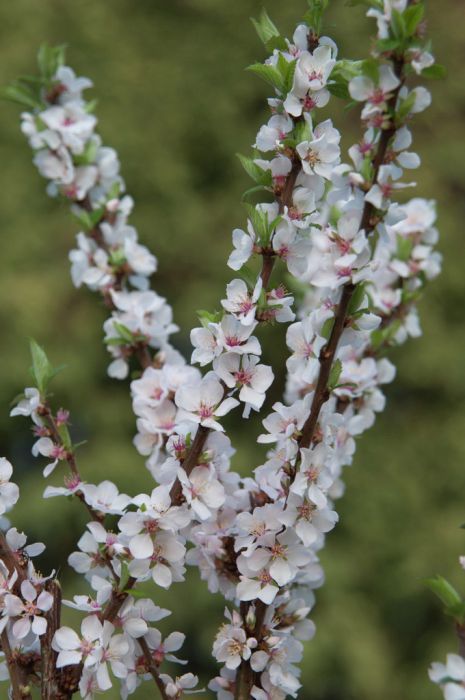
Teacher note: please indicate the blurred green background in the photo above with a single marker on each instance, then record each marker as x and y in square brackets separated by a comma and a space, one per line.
[175, 102]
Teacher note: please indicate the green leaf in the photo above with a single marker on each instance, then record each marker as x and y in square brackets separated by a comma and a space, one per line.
[90, 106]
[135, 593]
[276, 43]
[42, 370]
[339, 89]
[50, 58]
[114, 191]
[385, 45]
[347, 69]
[334, 374]
[117, 257]
[398, 25]
[124, 576]
[412, 18]
[264, 27]
[404, 248]
[366, 169]
[287, 70]
[454, 605]
[370, 68]
[206, 317]
[357, 298]
[262, 227]
[89, 219]
[268, 73]
[382, 337]
[302, 131]
[436, 72]
[327, 328]
[21, 95]
[405, 108]
[65, 436]
[262, 177]
[314, 15]
[253, 190]
[115, 341]
[367, 3]
[88, 155]
[124, 332]
[78, 444]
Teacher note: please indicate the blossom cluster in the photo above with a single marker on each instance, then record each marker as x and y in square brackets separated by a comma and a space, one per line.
[364, 260]
[361, 260]
[108, 258]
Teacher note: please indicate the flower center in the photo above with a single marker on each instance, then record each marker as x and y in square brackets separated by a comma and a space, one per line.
[233, 341]
[278, 551]
[377, 97]
[243, 376]
[205, 411]
[312, 158]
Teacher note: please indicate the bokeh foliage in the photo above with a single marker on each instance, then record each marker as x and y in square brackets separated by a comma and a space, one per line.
[175, 102]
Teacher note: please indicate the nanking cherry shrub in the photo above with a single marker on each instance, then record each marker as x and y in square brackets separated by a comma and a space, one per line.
[327, 224]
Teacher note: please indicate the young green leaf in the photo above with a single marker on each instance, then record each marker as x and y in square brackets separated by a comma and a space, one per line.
[268, 73]
[412, 18]
[206, 317]
[50, 58]
[436, 72]
[398, 25]
[334, 374]
[266, 29]
[20, 94]
[356, 299]
[314, 15]
[42, 370]
[258, 175]
[404, 248]
[370, 68]
[124, 576]
[405, 108]
[454, 605]
[124, 332]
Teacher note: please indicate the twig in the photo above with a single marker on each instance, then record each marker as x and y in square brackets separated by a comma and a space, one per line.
[49, 689]
[152, 668]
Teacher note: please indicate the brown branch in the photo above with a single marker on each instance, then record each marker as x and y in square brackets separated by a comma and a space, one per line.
[190, 462]
[460, 629]
[326, 362]
[328, 352]
[152, 668]
[18, 678]
[49, 685]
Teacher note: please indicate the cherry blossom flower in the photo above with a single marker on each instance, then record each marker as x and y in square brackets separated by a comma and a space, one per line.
[202, 491]
[29, 609]
[375, 96]
[9, 492]
[243, 371]
[240, 302]
[182, 685]
[320, 154]
[271, 135]
[105, 497]
[243, 244]
[202, 401]
[232, 644]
